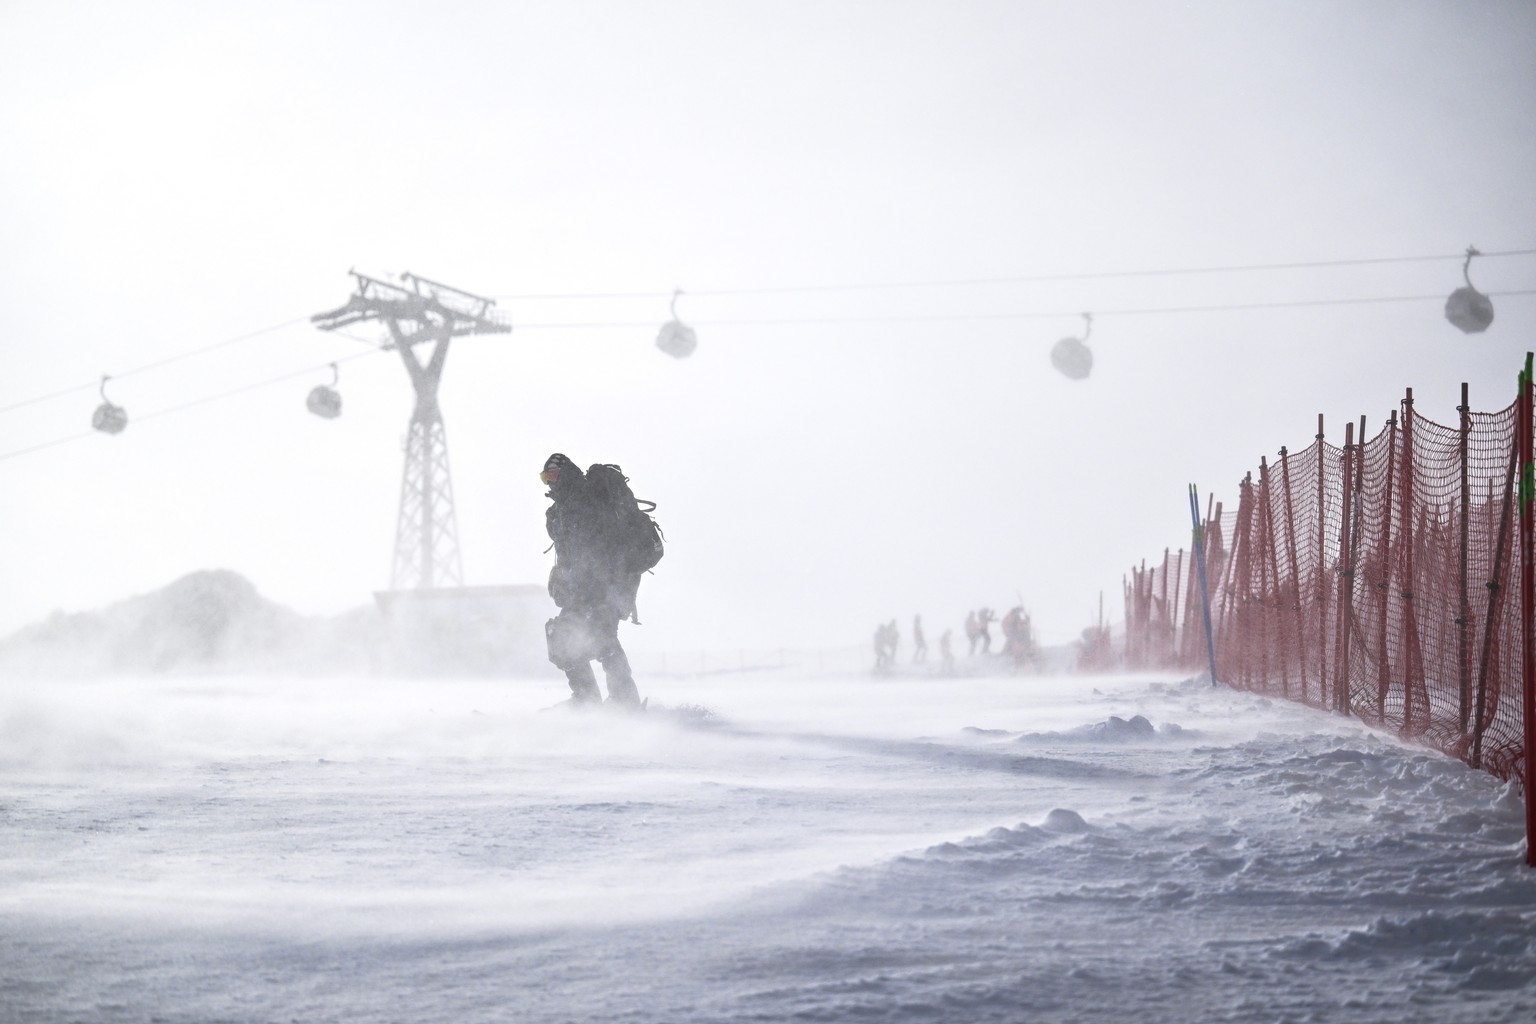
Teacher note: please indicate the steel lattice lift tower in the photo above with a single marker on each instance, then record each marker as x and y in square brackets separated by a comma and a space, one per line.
[424, 313]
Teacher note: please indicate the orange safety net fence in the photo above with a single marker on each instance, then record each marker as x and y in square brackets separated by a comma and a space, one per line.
[1380, 579]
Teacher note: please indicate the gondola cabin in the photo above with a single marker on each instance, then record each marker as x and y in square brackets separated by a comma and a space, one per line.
[324, 402]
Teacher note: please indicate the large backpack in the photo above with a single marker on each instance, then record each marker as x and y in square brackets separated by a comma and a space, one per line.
[637, 536]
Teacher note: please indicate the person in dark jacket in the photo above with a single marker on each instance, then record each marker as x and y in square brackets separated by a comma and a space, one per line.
[589, 585]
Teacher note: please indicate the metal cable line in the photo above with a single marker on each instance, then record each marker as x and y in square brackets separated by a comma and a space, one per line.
[168, 360]
[1028, 278]
[194, 403]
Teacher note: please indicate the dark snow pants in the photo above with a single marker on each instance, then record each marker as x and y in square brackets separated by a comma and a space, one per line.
[579, 635]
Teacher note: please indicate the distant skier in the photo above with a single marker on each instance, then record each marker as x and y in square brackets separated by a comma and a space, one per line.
[946, 653]
[984, 620]
[972, 630]
[1018, 636]
[604, 542]
[919, 644]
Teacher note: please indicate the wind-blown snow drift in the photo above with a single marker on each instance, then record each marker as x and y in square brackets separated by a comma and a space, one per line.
[834, 848]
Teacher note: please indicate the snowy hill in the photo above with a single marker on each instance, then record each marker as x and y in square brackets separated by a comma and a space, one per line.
[211, 620]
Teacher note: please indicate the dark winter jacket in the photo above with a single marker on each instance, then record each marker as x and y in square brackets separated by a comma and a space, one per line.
[589, 558]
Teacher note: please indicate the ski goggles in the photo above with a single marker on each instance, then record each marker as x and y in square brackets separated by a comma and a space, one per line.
[550, 475]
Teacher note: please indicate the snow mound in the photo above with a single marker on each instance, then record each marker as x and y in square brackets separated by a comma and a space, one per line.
[1114, 729]
[1001, 841]
[1063, 820]
[1135, 728]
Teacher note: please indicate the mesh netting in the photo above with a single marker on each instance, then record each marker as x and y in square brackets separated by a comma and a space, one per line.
[1380, 579]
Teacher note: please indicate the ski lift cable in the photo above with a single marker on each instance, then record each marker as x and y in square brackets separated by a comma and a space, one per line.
[353, 337]
[1056, 315]
[206, 400]
[168, 360]
[375, 349]
[44, 445]
[48, 397]
[374, 346]
[1027, 278]
[242, 389]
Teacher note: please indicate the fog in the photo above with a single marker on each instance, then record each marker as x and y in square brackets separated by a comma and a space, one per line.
[179, 176]
[880, 217]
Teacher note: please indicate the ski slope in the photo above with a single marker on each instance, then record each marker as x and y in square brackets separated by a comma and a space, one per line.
[812, 848]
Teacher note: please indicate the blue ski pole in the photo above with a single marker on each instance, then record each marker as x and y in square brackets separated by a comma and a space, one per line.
[1205, 590]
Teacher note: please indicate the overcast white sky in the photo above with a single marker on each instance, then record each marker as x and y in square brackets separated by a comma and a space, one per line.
[178, 175]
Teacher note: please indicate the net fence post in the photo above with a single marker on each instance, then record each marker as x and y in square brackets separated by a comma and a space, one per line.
[1272, 602]
[1346, 577]
[1526, 426]
[1385, 560]
[1416, 709]
[1356, 535]
[1136, 655]
[1240, 596]
[1320, 566]
[1413, 680]
[1217, 557]
[1163, 625]
[1125, 594]
[1144, 614]
[1174, 644]
[1463, 663]
[1295, 587]
[1495, 599]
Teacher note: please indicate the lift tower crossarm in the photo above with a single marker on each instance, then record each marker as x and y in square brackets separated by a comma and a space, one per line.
[477, 307]
[443, 311]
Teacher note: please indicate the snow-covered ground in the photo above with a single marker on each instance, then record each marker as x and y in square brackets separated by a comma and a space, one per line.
[818, 848]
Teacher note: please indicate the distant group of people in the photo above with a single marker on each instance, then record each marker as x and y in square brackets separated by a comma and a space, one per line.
[1018, 639]
[888, 638]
